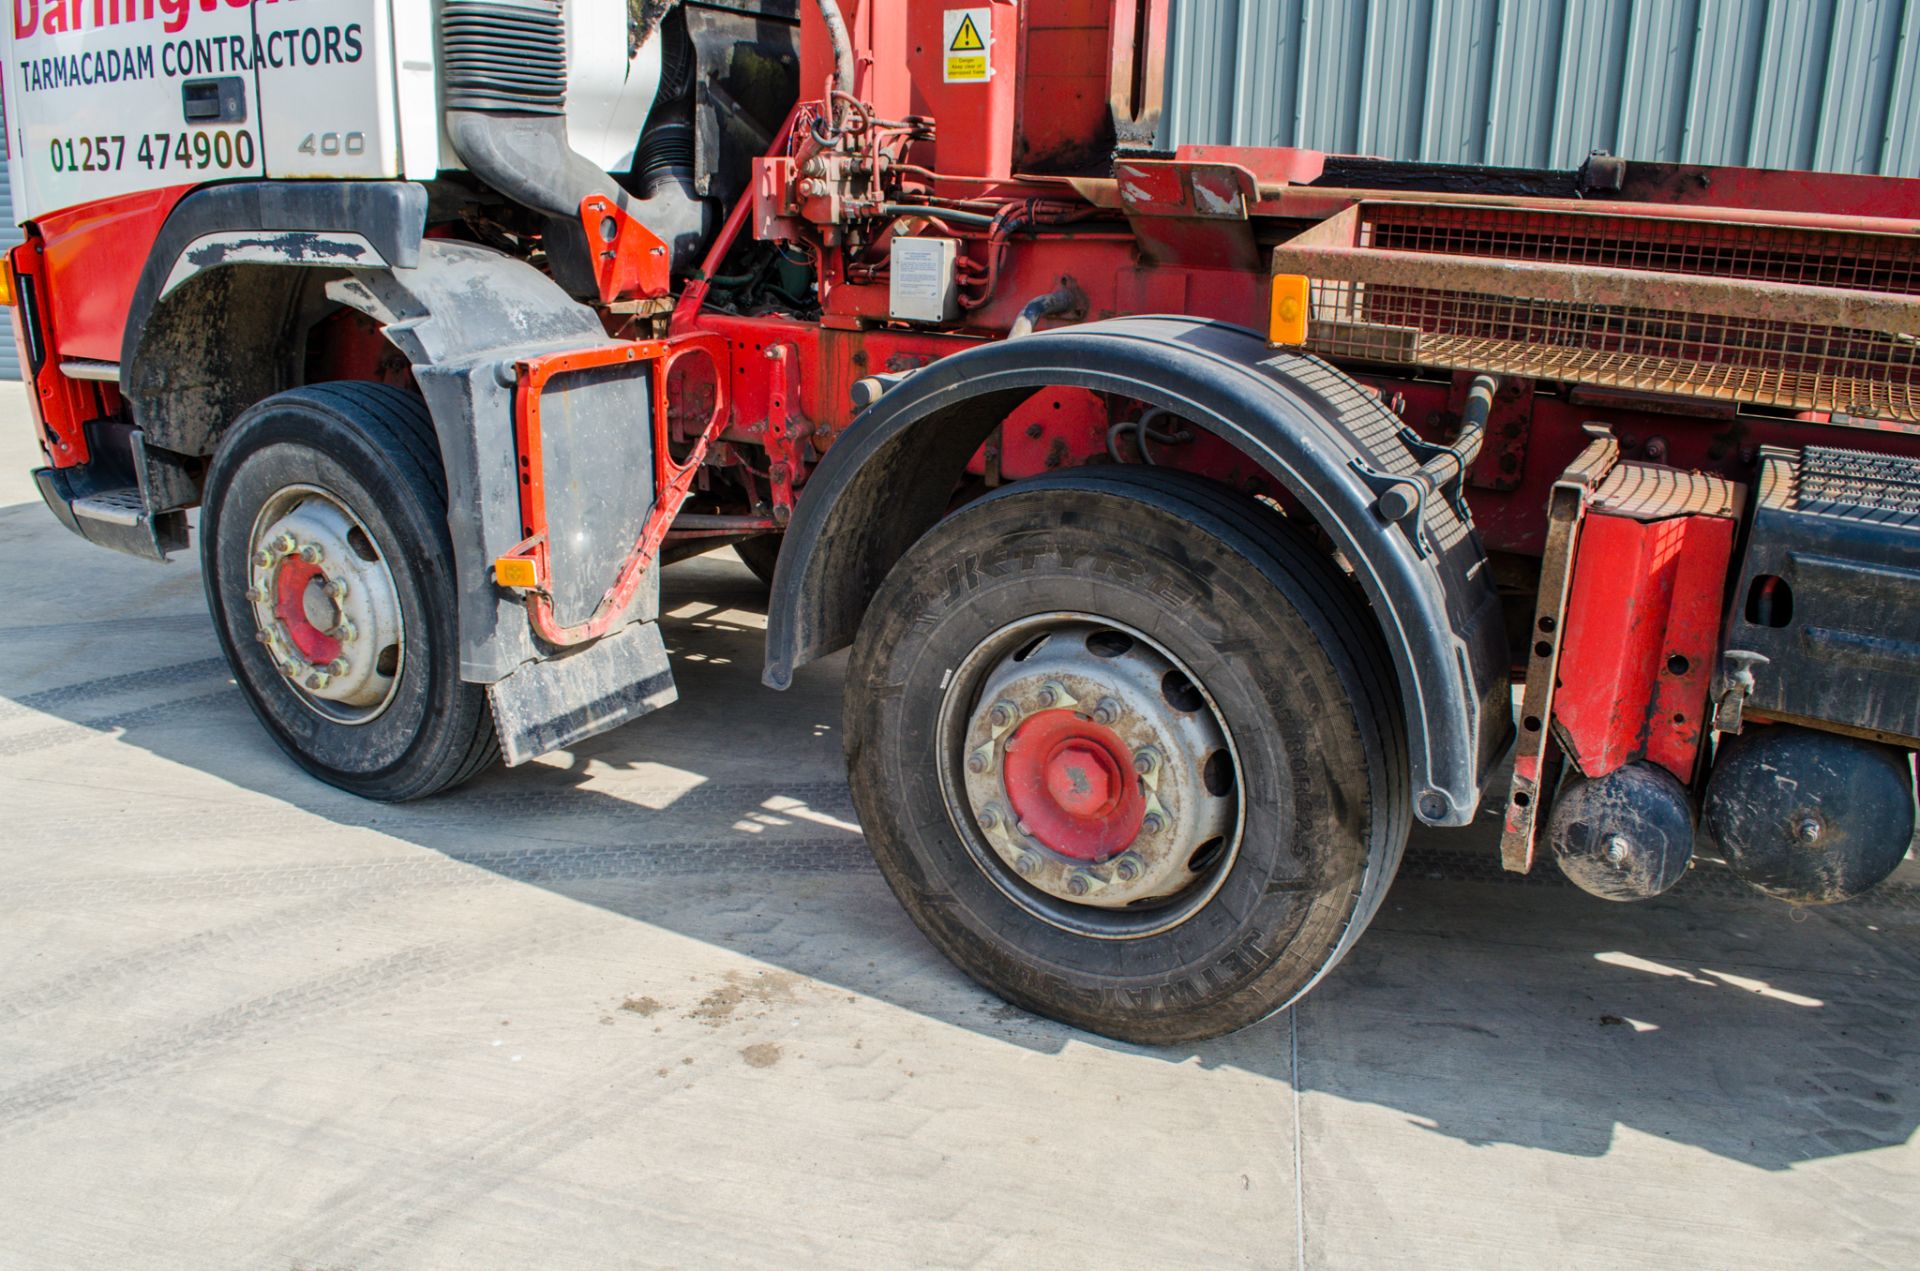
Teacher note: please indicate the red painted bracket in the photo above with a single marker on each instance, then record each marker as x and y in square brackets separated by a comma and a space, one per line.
[672, 479]
[630, 262]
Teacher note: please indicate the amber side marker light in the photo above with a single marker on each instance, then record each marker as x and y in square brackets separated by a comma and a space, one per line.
[1289, 317]
[514, 571]
[6, 286]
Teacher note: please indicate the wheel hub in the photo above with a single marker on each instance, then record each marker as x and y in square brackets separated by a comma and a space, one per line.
[327, 611]
[1070, 781]
[1097, 770]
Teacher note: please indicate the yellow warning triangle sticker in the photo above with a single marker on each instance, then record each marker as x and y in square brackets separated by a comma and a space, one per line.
[966, 39]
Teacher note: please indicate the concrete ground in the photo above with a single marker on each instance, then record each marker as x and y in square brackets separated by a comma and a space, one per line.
[649, 1004]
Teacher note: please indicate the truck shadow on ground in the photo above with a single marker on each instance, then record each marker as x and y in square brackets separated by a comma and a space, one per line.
[1490, 1012]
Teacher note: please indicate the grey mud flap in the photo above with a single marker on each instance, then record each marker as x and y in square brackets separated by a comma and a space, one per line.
[547, 705]
[466, 317]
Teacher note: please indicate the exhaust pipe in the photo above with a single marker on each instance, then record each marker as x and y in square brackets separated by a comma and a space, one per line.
[506, 101]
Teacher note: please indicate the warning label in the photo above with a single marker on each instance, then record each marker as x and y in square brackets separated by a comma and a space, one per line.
[968, 32]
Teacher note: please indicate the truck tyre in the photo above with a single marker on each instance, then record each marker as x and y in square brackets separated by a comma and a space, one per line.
[329, 574]
[760, 554]
[1127, 746]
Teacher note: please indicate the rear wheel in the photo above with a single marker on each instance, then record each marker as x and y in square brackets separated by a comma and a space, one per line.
[329, 575]
[760, 554]
[1126, 746]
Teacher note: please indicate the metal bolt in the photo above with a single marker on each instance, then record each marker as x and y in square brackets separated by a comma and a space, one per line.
[311, 553]
[258, 595]
[1028, 864]
[988, 818]
[285, 545]
[1153, 823]
[978, 762]
[1809, 831]
[1618, 849]
[263, 559]
[318, 680]
[1106, 711]
[336, 588]
[1048, 696]
[1080, 883]
[263, 637]
[337, 667]
[1127, 868]
[1145, 760]
[1003, 713]
[1022, 827]
[345, 632]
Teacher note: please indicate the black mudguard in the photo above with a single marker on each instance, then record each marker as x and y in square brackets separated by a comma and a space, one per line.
[1311, 427]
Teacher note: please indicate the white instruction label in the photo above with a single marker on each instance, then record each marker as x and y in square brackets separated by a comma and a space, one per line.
[967, 34]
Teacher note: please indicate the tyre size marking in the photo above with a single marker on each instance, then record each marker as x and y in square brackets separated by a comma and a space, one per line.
[198, 150]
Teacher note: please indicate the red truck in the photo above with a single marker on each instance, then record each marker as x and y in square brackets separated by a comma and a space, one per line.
[1191, 514]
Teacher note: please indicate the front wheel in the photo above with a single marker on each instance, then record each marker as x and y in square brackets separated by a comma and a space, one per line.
[1126, 746]
[329, 574]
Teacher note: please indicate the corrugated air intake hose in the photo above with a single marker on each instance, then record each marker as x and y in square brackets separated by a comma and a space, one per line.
[505, 86]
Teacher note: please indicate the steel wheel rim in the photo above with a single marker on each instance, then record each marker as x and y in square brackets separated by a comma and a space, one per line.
[312, 561]
[1111, 907]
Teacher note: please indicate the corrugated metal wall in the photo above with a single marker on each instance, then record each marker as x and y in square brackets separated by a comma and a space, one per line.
[1832, 85]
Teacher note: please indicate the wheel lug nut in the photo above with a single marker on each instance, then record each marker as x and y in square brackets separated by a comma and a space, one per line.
[1106, 711]
[318, 680]
[337, 667]
[285, 545]
[263, 559]
[311, 553]
[1027, 865]
[1127, 868]
[1145, 760]
[1080, 883]
[1048, 696]
[988, 818]
[345, 632]
[1003, 713]
[979, 761]
[336, 588]
[1153, 823]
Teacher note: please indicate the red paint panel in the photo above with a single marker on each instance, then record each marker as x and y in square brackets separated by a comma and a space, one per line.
[1065, 123]
[61, 406]
[1643, 620]
[94, 255]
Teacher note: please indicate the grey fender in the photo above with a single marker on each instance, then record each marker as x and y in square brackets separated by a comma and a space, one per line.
[892, 474]
[463, 315]
[227, 274]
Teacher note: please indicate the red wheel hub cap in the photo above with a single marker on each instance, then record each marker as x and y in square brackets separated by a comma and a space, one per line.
[1071, 782]
[290, 606]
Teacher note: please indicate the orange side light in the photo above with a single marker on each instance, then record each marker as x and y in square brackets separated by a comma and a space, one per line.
[515, 571]
[6, 283]
[1289, 317]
